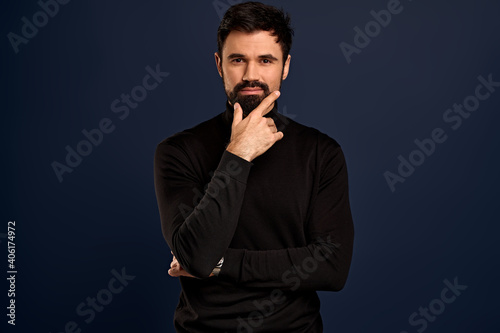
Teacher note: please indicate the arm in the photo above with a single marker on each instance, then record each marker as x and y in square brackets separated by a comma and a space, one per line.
[321, 265]
[198, 237]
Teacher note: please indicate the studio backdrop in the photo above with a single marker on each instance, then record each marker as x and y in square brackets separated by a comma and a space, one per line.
[410, 90]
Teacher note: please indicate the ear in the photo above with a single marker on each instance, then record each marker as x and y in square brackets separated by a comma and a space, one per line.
[286, 68]
[218, 62]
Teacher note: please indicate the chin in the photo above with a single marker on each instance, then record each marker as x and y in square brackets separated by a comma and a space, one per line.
[249, 102]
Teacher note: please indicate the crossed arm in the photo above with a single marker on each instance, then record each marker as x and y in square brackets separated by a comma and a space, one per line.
[199, 239]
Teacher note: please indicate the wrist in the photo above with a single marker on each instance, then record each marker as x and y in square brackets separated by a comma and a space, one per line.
[239, 152]
[218, 267]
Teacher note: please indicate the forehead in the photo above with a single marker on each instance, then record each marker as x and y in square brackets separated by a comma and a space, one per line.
[252, 44]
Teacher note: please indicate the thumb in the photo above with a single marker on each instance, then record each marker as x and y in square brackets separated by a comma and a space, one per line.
[237, 114]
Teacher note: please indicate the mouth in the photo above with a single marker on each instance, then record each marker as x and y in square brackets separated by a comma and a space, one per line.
[251, 91]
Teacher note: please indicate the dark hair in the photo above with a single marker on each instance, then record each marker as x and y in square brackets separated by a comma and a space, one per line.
[255, 16]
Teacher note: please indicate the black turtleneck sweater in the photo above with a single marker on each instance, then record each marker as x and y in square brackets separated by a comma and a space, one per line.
[282, 223]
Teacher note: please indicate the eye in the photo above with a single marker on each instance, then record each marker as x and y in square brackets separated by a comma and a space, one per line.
[237, 60]
[266, 61]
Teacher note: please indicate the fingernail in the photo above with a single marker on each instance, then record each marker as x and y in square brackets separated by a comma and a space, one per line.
[277, 93]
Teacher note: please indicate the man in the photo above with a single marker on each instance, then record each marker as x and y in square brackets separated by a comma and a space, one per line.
[254, 206]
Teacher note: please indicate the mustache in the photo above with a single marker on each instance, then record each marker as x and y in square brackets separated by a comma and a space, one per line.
[252, 84]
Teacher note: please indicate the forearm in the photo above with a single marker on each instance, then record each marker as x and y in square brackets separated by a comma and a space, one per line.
[322, 265]
[323, 262]
[199, 232]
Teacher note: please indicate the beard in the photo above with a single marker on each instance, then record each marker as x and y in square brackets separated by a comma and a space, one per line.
[248, 103]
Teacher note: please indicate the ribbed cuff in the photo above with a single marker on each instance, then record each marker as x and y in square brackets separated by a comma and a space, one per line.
[234, 166]
[231, 269]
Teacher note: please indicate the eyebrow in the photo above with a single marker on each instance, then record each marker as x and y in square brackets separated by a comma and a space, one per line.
[239, 55]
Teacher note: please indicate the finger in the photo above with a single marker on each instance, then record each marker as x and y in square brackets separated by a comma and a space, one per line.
[278, 136]
[265, 105]
[237, 114]
[272, 125]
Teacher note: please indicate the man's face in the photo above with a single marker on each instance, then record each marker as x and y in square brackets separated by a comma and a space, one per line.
[251, 67]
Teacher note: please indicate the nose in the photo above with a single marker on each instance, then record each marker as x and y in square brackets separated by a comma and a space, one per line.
[251, 72]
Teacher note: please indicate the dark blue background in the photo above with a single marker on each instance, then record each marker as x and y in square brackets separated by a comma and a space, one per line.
[441, 223]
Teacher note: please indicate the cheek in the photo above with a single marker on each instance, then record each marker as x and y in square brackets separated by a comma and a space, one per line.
[230, 79]
[274, 79]
[274, 83]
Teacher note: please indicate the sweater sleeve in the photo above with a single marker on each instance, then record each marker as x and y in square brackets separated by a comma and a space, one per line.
[321, 265]
[198, 225]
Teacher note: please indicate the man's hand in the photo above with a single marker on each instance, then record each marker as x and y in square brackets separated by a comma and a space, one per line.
[254, 135]
[176, 269]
